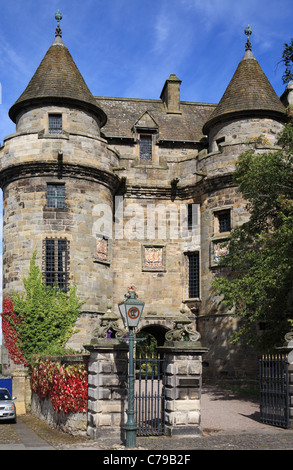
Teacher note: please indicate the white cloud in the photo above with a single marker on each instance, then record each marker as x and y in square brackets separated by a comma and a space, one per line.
[11, 62]
[162, 33]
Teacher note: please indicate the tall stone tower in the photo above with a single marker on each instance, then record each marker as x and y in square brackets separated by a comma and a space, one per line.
[249, 116]
[55, 170]
[172, 160]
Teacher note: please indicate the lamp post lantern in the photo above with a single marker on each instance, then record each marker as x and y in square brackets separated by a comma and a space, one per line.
[131, 311]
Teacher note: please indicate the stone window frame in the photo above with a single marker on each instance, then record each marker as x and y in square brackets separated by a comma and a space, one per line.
[219, 237]
[52, 130]
[150, 129]
[156, 269]
[193, 215]
[142, 136]
[48, 273]
[216, 212]
[186, 276]
[56, 208]
[155, 161]
[45, 132]
[223, 220]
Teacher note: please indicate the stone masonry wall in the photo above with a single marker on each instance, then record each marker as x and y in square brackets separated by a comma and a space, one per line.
[107, 393]
[183, 389]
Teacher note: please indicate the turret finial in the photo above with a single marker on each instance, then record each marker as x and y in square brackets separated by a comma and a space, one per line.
[58, 17]
[248, 32]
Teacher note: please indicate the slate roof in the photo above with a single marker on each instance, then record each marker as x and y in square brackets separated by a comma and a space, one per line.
[57, 80]
[123, 114]
[248, 93]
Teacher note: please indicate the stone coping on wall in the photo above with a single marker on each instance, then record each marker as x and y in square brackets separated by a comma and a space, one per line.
[66, 358]
[190, 347]
[107, 344]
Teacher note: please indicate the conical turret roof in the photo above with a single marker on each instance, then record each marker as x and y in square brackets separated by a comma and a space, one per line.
[58, 81]
[248, 93]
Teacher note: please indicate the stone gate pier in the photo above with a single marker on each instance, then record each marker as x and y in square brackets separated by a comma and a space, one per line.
[107, 384]
[107, 389]
[183, 352]
[183, 388]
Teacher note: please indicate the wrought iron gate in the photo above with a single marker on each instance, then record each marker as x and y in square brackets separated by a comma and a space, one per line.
[274, 390]
[150, 396]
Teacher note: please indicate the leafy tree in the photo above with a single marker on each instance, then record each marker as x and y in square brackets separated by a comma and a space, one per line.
[148, 347]
[287, 59]
[257, 279]
[48, 315]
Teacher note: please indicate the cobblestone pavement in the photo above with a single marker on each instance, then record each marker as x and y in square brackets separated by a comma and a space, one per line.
[32, 434]
[230, 422]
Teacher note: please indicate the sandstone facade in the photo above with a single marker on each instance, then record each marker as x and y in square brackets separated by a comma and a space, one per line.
[134, 172]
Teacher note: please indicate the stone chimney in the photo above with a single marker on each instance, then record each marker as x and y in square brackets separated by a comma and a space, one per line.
[171, 94]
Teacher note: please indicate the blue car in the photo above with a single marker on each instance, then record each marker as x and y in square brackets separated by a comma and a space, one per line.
[7, 406]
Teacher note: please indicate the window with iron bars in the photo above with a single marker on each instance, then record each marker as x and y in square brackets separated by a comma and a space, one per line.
[56, 263]
[55, 123]
[224, 221]
[145, 147]
[193, 275]
[56, 196]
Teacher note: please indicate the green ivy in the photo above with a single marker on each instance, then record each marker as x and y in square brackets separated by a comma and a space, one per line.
[48, 315]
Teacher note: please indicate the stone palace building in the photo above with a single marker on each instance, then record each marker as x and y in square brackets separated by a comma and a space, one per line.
[113, 192]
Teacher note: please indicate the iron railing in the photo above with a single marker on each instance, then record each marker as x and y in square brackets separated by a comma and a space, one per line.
[150, 396]
[274, 390]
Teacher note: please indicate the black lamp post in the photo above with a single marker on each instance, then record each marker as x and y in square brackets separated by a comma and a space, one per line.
[131, 311]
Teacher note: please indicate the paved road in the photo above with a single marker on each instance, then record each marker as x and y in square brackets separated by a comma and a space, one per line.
[226, 410]
[20, 436]
[230, 422]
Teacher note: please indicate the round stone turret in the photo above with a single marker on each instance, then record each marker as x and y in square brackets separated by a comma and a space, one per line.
[58, 82]
[248, 108]
[56, 173]
[249, 116]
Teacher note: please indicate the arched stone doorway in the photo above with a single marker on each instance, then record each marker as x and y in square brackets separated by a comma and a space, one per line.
[154, 336]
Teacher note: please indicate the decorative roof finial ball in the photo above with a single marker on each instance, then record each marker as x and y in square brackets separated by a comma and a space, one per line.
[248, 32]
[58, 17]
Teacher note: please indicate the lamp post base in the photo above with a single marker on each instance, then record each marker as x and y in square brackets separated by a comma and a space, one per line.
[130, 439]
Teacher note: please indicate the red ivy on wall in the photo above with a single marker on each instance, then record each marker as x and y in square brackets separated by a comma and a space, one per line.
[12, 339]
[65, 386]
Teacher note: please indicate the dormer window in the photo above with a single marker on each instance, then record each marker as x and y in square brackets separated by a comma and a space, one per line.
[146, 147]
[55, 123]
[146, 133]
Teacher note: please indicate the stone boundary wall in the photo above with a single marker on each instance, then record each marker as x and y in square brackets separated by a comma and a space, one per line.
[72, 423]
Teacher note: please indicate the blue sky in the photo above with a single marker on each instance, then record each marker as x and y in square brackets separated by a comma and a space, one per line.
[128, 48]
